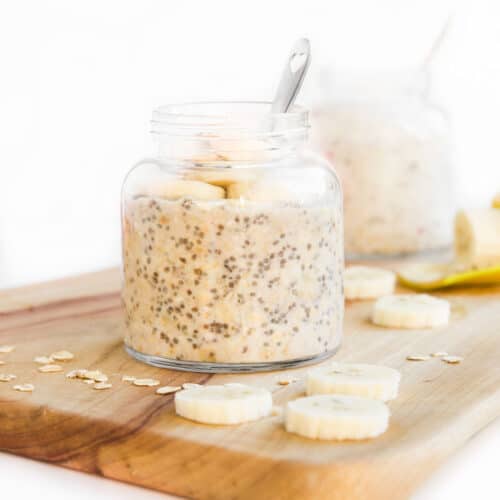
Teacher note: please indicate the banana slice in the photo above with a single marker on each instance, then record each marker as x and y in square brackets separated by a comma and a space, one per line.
[241, 149]
[363, 282]
[411, 311]
[336, 417]
[477, 237]
[220, 151]
[178, 189]
[223, 404]
[221, 176]
[371, 381]
[259, 191]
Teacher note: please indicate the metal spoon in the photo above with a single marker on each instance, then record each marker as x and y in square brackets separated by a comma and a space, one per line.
[293, 75]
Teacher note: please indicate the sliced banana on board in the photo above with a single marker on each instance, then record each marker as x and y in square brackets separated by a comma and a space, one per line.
[357, 379]
[364, 282]
[223, 404]
[477, 237]
[336, 417]
[411, 311]
[179, 189]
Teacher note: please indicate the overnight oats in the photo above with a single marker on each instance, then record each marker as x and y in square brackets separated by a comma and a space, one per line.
[393, 155]
[232, 248]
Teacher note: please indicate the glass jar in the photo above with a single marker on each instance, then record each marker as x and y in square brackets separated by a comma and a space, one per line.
[391, 147]
[232, 242]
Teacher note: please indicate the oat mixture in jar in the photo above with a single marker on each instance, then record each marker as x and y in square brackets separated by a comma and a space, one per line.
[232, 243]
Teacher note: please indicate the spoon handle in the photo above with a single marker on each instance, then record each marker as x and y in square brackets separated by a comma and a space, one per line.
[293, 75]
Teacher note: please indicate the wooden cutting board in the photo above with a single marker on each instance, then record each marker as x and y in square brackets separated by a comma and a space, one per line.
[131, 434]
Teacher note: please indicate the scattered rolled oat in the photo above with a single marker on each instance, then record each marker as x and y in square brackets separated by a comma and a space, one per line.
[88, 381]
[96, 375]
[439, 354]
[230, 384]
[287, 380]
[7, 377]
[189, 385]
[128, 378]
[62, 355]
[6, 348]
[102, 385]
[167, 389]
[50, 368]
[80, 373]
[43, 360]
[149, 382]
[85, 375]
[452, 360]
[24, 387]
[418, 358]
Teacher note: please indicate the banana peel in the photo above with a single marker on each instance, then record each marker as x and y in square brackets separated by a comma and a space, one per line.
[433, 276]
[426, 277]
[496, 201]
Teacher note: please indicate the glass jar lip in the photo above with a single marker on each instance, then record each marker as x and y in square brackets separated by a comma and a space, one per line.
[206, 116]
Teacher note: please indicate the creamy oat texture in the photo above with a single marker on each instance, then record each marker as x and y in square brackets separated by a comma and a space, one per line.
[232, 281]
[396, 175]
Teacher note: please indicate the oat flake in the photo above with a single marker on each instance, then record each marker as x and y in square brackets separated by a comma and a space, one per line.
[418, 358]
[62, 355]
[102, 385]
[452, 360]
[80, 373]
[287, 381]
[189, 385]
[50, 368]
[6, 348]
[24, 387]
[167, 389]
[149, 382]
[96, 375]
[43, 360]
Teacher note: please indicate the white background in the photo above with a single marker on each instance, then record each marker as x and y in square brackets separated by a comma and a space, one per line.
[78, 81]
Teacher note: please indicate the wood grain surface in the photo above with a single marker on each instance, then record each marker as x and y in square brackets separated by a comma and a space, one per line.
[131, 434]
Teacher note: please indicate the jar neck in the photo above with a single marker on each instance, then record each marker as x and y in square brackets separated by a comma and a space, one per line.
[221, 149]
[223, 133]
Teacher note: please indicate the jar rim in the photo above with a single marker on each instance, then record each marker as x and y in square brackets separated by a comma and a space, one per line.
[206, 116]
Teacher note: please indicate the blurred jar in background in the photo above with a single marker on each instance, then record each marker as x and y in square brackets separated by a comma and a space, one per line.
[391, 147]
